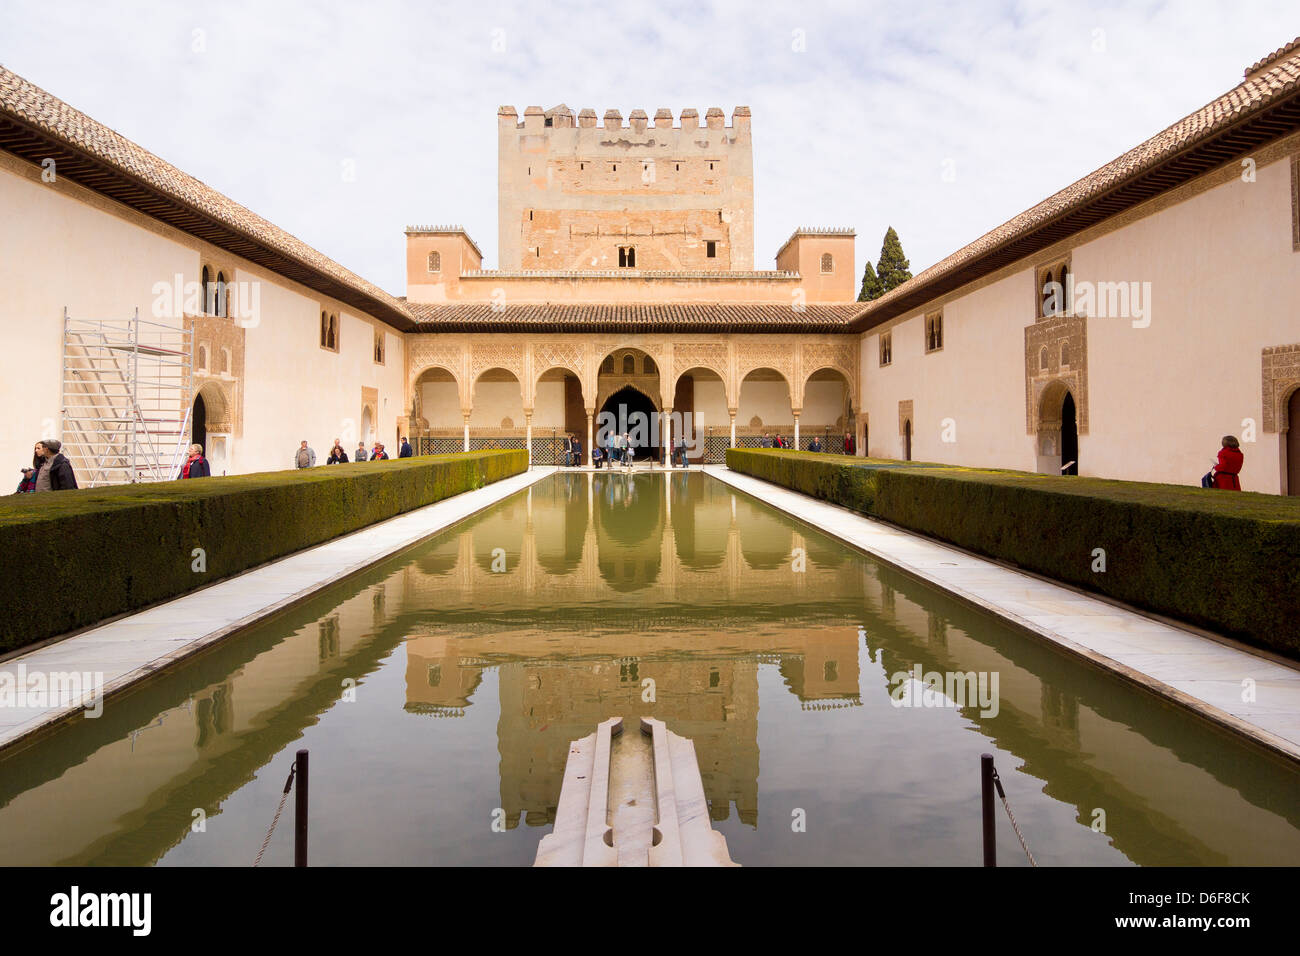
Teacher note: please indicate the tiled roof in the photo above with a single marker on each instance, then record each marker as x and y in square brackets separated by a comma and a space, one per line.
[1256, 111]
[575, 317]
[32, 120]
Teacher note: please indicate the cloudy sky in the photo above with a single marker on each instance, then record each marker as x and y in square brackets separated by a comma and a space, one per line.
[940, 119]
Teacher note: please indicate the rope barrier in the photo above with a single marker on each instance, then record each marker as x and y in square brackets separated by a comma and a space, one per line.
[288, 785]
[997, 782]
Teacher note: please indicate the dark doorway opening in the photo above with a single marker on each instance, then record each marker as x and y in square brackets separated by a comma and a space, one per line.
[199, 425]
[1069, 437]
[629, 410]
[907, 440]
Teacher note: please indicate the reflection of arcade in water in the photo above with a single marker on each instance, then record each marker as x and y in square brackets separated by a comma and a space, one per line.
[635, 587]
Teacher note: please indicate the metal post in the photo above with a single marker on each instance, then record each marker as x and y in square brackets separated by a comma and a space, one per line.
[986, 798]
[300, 812]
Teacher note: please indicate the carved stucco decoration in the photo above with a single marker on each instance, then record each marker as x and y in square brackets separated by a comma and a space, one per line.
[1052, 334]
[1280, 375]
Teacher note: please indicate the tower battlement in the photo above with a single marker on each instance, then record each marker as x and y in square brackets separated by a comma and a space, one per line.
[646, 192]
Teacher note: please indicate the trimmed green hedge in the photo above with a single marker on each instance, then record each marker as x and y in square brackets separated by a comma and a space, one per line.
[77, 557]
[1226, 561]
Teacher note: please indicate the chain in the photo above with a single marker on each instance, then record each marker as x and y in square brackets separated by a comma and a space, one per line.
[997, 782]
[288, 785]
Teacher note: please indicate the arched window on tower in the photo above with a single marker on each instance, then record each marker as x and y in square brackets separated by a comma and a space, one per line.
[435, 262]
[225, 361]
[629, 365]
[222, 309]
[1065, 354]
[203, 358]
[648, 365]
[207, 307]
[1042, 359]
[324, 330]
[828, 262]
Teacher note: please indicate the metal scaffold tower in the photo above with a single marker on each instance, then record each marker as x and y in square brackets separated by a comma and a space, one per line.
[126, 411]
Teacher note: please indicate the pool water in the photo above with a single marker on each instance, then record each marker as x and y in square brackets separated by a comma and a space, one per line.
[438, 691]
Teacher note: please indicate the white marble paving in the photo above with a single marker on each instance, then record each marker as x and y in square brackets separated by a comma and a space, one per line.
[137, 646]
[1194, 670]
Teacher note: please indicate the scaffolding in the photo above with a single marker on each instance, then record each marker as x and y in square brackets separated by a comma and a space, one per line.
[126, 409]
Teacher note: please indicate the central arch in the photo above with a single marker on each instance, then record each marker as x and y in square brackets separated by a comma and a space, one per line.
[1058, 431]
[631, 410]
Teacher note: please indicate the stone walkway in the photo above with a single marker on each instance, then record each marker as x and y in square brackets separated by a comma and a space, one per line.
[1203, 674]
[134, 647]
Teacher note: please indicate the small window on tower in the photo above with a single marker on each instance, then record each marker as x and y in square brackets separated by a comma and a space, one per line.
[530, 215]
[435, 262]
[828, 262]
[549, 121]
[711, 249]
[627, 257]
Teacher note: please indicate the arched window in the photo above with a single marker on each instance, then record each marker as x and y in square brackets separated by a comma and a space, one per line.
[208, 305]
[648, 366]
[828, 262]
[332, 339]
[1042, 358]
[629, 365]
[225, 361]
[324, 330]
[435, 262]
[607, 366]
[203, 358]
[221, 295]
[1065, 353]
[1065, 289]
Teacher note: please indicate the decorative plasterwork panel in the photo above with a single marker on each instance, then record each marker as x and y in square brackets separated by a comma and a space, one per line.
[496, 355]
[778, 356]
[1054, 334]
[711, 355]
[1280, 374]
[566, 355]
[424, 356]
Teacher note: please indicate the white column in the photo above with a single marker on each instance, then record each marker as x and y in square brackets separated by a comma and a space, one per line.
[528, 438]
[733, 428]
[668, 431]
[590, 412]
[467, 431]
[796, 431]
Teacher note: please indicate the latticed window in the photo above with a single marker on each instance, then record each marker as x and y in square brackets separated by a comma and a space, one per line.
[1054, 290]
[379, 347]
[828, 262]
[934, 332]
[203, 358]
[1042, 358]
[886, 348]
[629, 365]
[607, 366]
[648, 365]
[435, 262]
[1065, 353]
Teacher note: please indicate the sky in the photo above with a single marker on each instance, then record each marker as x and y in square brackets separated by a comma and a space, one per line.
[345, 122]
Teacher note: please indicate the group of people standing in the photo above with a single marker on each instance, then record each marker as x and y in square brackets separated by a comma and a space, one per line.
[50, 469]
[814, 444]
[305, 456]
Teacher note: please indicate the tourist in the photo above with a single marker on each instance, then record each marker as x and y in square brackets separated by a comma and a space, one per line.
[196, 466]
[28, 481]
[575, 449]
[815, 444]
[625, 447]
[405, 451]
[305, 457]
[380, 454]
[850, 446]
[766, 441]
[360, 454]
[1228, 467]
[337, 455]
[681, 451]
[566, 445]
[56, 473]
[596, 456]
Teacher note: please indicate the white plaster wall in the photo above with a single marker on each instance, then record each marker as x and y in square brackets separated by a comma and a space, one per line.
[823, 404]
[57, 251]
[770, 401]
[494, 401]
[711, 404]
[1224, 283]
[440, 404]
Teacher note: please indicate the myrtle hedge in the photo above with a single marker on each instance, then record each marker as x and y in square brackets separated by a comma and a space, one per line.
[78, 557]
[1226, 561]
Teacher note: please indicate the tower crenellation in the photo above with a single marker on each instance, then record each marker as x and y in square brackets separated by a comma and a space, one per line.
[575, 194]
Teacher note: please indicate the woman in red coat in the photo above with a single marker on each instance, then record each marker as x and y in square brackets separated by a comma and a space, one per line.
[1229, 465]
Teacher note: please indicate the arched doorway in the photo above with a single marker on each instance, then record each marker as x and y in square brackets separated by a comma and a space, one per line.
[907, 440]
[1069, 437]
[1292, 439]
[367, 428]
[199, 423]
[633, 411]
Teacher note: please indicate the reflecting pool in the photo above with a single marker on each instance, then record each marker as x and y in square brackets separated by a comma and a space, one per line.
[438, 691]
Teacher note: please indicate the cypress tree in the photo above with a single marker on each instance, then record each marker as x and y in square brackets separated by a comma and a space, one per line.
[893, 268]
[870, 284]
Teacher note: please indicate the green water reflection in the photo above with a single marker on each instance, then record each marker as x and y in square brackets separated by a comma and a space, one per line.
[438, 693]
